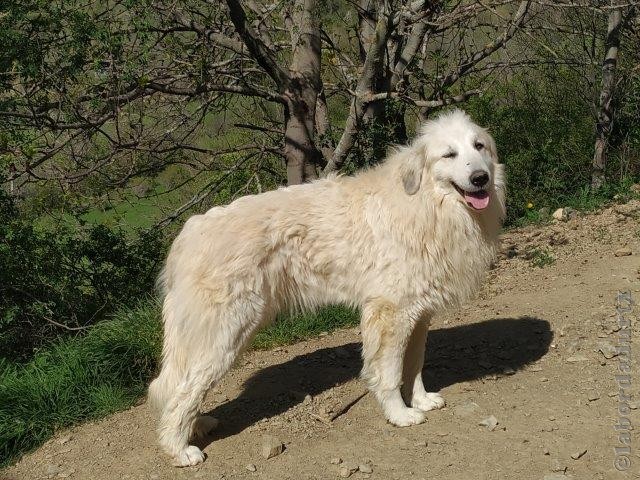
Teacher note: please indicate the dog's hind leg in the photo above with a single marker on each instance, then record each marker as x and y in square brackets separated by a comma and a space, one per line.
[413, 389]
[385, 336]
[175, 358]
[180, 415]
[211, 355]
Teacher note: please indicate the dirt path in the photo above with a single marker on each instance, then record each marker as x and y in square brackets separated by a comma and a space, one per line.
[525, 351]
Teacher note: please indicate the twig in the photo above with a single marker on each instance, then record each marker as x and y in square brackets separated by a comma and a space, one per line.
[342, 408]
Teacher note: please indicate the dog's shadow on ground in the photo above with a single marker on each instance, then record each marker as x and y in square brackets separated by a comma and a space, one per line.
[454, 355]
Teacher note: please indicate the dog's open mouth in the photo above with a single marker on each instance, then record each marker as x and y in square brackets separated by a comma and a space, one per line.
[477, 200]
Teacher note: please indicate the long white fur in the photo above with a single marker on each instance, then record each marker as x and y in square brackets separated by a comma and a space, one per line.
[397, 240]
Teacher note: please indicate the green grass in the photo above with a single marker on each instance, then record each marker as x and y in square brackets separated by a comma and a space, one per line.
[130, 213]
[540, 257]
[77, 379]
[294, 328]
[617, 192]
[107, 370]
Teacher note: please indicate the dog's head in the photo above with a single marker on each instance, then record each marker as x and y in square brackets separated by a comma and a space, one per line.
[459, 158]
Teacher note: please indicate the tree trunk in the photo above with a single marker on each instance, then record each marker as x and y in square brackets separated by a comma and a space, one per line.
[300, 151]
[604, 119]
[304, 85]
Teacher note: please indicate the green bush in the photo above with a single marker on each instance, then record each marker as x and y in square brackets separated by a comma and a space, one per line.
[58, 279]
[544, 131]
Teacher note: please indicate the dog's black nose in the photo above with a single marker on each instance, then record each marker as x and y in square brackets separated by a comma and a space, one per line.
[479, 178]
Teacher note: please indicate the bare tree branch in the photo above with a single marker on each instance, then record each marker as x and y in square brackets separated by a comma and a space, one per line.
[372, 64]
[256, 46]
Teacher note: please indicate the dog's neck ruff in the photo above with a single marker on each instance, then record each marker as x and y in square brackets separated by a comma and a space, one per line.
[452, 246]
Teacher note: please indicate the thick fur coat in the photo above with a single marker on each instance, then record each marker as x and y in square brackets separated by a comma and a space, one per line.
[401, 241]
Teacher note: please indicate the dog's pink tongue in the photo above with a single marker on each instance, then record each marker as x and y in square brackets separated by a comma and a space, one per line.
[478, 200]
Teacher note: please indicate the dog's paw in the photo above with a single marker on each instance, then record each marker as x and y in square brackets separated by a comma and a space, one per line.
[204, 425]
[189, 457]
[406, 416]
[427, 401]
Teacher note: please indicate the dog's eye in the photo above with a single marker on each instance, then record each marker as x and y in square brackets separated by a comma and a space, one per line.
[450, 154]
[478, 145]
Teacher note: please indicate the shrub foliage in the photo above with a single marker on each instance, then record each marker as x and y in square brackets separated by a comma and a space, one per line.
[61, 279]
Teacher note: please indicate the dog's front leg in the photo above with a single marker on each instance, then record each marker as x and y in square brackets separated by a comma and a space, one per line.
[385, 335]
[413, 389]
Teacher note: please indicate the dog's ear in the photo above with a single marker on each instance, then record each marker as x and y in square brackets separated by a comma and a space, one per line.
[412, 166]
[491, 146]
[500, 182]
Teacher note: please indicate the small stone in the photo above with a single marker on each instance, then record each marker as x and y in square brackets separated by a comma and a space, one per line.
[365, 468]
[251, 467]
[348, 469]
[608, 350]
[67, 474]
[558, 466]
[558, 239]
[565, 214]
[546, 451]
[560, 215]
[50, 470]
[593, 396]
[571, 213]
[577, 358]
[508, 371]
[336, 461]
[490, 422]
[466, 409]
[65, 439]
[634, 404]
[578, 454]
[622, 252]
[271, 446]
[421, 443]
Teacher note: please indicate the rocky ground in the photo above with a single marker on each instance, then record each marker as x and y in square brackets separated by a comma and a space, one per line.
[528, 370]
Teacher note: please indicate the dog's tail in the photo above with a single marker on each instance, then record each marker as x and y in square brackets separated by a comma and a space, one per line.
[173, 359]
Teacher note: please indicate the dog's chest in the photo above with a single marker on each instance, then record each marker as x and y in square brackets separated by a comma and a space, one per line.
[449, 270]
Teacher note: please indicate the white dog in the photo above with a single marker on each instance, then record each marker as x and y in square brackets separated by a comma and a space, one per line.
[401, 241]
